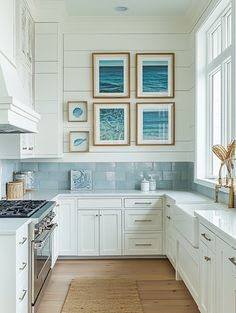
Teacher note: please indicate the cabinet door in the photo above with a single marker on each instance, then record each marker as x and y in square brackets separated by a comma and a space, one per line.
[170, 241]
[207, 279]
[110, 232]
[226, 278]
[88, 232]
[67, 229]
[55, 251]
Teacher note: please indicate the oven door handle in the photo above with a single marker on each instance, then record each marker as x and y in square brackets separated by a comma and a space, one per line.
[38, 244]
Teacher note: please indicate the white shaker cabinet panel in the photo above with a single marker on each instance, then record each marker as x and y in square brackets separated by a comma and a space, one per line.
[67, 229]
[226, 278]
[143, 220]
[88, 232]
[207, 270]
[110, 232]
[187, 265]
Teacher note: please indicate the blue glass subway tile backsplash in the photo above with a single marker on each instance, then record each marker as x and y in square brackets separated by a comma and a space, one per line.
[113, 176]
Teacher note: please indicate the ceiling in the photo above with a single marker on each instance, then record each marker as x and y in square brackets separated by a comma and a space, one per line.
[135, 7]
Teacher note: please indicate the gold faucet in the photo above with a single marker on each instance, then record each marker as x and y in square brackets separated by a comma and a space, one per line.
[226, 157]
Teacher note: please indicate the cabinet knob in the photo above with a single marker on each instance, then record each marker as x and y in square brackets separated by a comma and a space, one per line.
[207, 258]
[168, 217]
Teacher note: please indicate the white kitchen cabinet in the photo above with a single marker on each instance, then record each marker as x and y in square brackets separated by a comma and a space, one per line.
[67, 229]
[55, 241]
[14, 271]
[17, 146]
[170, 243]
[207, 279]
[99, 232]
[187, 265]
[110, 232]
[88, 232]
[226, 277]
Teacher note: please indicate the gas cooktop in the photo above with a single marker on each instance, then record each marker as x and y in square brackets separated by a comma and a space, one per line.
[20, 208]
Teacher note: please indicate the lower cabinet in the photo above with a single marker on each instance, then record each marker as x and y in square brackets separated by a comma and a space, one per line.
[14, 271]
[143, 244]
[187, 265]
[226, 278]
[67, 229]
[99, 232]
[207, 279]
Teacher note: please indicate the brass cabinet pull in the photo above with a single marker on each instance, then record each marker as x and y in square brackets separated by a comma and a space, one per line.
[24, 264]
[143, 220]
[207, 258]
[23, 241]
[23, 295]
[205, 236]
[143, 244]
[232, 260]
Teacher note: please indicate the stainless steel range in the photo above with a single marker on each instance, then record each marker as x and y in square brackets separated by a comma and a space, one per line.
[41, 230]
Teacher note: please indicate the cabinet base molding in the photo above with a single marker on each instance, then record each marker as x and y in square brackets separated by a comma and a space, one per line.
[122, 257]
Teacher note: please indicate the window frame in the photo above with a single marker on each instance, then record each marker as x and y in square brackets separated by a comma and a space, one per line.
[203, 134]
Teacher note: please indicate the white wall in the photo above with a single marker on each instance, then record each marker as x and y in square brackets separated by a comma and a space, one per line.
[78, 48]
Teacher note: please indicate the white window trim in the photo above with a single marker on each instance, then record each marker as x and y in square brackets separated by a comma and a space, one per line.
[201, 94]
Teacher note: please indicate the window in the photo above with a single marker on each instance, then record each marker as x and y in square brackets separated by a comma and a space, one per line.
[214, 54]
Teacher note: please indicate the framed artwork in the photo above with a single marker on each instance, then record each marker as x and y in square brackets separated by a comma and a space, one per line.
[111, 124]
[81, 180]
[79, 141]
[155, 123]
[155, 75]
[111, 75]
[77, 111]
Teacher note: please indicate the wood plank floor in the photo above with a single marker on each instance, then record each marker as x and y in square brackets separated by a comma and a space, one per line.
[159, 292]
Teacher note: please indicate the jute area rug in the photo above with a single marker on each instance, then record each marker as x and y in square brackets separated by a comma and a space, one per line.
[102, 296]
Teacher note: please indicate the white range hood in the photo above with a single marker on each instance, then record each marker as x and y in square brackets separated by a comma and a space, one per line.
[15, 115]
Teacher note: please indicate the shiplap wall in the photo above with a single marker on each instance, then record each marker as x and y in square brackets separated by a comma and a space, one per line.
[78, 49]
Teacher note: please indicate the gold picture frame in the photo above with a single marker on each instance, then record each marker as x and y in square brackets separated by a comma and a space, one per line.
[111, 75]
[79, 141]
[155, 123]
[155, 75]
[77, 111]
[111, 124]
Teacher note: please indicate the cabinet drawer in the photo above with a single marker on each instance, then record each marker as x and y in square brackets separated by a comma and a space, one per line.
[143, 220]
[207, 237]
[22, 241]
[143, 244]
[22, 297]
[99, 203]
[143, 203]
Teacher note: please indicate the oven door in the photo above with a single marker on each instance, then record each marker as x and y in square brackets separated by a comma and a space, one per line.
[41, 261]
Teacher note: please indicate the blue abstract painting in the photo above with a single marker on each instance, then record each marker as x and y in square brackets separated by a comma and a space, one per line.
[156, 125]
[81, 180]
[155, 76]
[111, 76]
[112, 124]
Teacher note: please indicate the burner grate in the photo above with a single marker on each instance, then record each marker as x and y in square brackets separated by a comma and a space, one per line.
[20, 208]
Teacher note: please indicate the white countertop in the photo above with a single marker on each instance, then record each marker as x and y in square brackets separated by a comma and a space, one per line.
[9, 226]
[177, 196]
[222, 222]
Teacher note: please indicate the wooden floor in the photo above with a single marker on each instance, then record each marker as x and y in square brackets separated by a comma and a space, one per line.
[158, 290]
